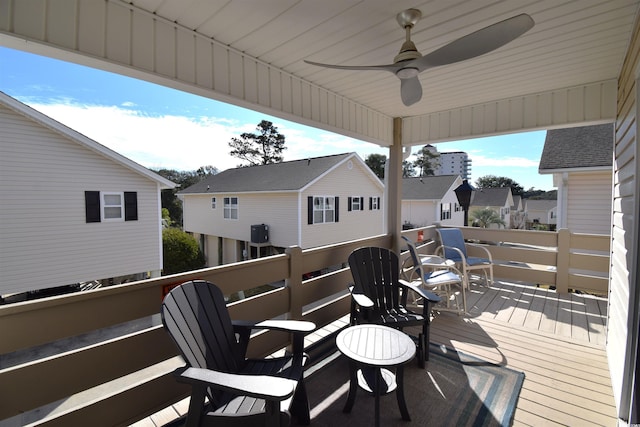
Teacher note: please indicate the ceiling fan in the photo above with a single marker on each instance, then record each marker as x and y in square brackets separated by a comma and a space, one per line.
[408, 63]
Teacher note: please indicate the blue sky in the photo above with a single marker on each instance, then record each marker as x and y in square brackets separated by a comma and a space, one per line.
[160, 127]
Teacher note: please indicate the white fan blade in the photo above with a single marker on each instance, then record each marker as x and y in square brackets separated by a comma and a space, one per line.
[477, 43]
[410, 90]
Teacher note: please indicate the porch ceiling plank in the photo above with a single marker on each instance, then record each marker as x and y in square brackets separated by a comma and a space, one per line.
[253, 57]
[553, 109]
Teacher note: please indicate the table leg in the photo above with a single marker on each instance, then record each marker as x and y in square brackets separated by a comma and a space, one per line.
[376, 392]
[402, 404]
[353, 386]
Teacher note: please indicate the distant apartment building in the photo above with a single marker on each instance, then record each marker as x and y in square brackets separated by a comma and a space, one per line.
[452, 163]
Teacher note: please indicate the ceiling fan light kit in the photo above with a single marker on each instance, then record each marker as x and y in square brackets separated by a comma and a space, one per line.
[409, 62]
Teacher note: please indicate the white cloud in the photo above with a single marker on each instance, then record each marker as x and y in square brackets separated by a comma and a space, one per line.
[515, 162]
[185, 143]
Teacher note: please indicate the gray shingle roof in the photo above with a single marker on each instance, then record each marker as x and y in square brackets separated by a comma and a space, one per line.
[286, 176]
[542, 205]
[579, 147]
[427, 188]
[490, 196]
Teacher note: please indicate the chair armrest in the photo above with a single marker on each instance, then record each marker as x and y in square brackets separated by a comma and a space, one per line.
[258, 386]
[427, 295]
[294, 326]
[359, 298]
[442, 248]
[486, 251]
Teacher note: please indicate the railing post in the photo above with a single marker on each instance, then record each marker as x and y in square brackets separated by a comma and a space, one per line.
[562, 261]
[294, 281]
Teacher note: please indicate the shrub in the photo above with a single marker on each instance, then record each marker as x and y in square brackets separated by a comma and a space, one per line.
[180, 252]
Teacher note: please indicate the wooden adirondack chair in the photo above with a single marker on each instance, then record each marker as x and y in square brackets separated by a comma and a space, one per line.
[380, 296]
[227, 388]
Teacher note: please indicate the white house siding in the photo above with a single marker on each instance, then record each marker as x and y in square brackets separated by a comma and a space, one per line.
[344, 182]
[46, 241]
[420, 213]
[589, 202]
[622, 327]
[279, 211]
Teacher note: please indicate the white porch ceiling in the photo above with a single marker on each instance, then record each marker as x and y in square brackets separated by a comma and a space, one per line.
[560, 73]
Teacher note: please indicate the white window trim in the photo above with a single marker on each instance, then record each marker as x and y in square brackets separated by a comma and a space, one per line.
[324, 210]
[355, 203]
[229, 208]
[104, 205]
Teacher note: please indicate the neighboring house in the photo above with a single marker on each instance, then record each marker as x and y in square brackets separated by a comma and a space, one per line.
[518, 217]
[72, 210]
[541, 212]
[429, 200]
[249, 212]
[581, 161]
[500, 200]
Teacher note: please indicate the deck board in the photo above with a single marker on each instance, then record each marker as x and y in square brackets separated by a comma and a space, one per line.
[557, 340]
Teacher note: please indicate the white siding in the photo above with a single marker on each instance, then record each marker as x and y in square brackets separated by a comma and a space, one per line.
[420, 213]
[279, 211]
[344, 182]
[622, 327]
[46, 241]
[589, 203]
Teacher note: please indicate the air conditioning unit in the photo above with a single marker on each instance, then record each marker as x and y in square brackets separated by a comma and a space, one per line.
[259, 233]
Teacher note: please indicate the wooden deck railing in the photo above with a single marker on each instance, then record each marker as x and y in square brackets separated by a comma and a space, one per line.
[102, 357]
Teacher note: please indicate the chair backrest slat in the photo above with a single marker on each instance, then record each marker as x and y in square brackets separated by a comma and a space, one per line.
[196, 316]
[375, 270]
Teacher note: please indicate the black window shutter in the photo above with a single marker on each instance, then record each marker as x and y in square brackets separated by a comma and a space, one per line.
[130, 206]
[92, 206]
[370, 203]
[337, 208]
[310, 210]
[378, 203]
[349, 204]
[361, 203]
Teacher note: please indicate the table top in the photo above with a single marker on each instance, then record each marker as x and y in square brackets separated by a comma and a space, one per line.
[376, 345]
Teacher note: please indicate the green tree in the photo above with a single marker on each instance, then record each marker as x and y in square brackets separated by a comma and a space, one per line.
[184, 179]
[262, 148]
[376, 163]
[485, 217]
[426, 161]
[408, 170]
[180, 251]
[492, 181]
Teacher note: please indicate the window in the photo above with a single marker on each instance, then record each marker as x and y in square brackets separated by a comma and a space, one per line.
[111, 206]
[112, 209]
[321, 209]
[355, 204]
[231, 208]
[445, 211]
[213, 203]
[374, 203]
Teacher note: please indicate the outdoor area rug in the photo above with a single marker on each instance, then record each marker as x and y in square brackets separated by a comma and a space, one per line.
[455, 389]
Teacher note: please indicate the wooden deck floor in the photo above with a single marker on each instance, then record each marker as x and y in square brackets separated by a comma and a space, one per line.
[556, 340]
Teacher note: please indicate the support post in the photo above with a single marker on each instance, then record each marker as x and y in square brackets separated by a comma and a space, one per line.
[394, 186]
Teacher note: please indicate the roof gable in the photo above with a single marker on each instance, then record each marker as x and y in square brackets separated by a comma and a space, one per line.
[577, 148]
[492, 197]
[80, 139]
[427, 187]
[285, 176]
